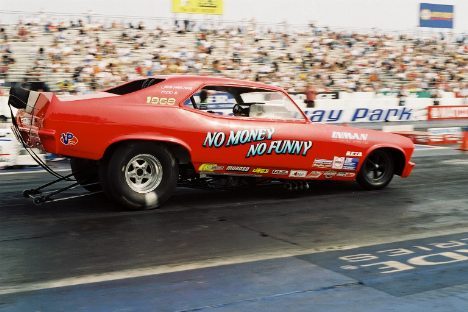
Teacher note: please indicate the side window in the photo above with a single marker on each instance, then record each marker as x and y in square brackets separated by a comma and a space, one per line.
[244, 102]
[271, 105]
[220, 102]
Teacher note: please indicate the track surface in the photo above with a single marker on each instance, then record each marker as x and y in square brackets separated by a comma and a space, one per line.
[262, 250]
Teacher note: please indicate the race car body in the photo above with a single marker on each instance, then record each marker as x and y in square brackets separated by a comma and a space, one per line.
[145, 136]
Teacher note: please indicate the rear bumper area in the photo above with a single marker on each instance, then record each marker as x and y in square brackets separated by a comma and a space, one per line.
[31, 133]
[408, 169]
[30, 117]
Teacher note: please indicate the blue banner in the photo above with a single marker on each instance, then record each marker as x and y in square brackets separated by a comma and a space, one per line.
[436, 15]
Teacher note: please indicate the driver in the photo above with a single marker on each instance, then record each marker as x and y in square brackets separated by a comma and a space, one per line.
[203, 99]
[203, 96]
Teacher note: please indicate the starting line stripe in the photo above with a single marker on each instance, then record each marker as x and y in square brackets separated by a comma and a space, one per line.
[165, 269]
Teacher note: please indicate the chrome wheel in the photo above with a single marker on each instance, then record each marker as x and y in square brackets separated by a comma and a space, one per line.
[143, 173]
[139, 174]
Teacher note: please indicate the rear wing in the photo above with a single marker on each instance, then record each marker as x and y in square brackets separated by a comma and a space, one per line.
[31, 106]
[27, 123]
[21, 98]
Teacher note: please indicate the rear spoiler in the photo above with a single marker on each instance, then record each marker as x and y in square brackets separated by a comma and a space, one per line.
[22, 98]
[30, 101]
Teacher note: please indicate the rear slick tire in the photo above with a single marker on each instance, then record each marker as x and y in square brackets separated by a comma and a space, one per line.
[139, 175]
[86, 173]
[377, 170]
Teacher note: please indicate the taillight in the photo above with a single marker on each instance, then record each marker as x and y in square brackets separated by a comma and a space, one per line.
[26, 121]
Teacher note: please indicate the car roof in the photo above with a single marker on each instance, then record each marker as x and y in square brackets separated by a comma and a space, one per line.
[214, 81]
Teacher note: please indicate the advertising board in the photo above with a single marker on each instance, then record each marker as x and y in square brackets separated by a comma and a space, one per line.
[447, 112]
[198, 6]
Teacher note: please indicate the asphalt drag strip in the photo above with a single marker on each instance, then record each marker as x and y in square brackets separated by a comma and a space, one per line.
[416, 275]
[333, 248]
[403, 268]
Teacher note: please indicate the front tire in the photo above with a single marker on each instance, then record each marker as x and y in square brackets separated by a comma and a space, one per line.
[140, 175]
[377, 170]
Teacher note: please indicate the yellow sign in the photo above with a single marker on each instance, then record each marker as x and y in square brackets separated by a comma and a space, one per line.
[198, 6]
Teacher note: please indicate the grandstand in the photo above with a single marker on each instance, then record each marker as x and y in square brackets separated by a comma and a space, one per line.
[76, 56]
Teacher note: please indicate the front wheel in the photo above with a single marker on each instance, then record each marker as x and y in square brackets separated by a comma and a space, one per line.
[376, 171]
[140, 175]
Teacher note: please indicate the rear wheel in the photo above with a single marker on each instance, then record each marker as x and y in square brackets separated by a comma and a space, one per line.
[86, 173]
[376, 171]
[140, 175]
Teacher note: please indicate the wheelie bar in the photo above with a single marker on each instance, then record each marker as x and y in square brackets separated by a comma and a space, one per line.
[40, 197]
[36, 191]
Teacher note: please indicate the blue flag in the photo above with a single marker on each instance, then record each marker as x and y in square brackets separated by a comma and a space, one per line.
[436, 15]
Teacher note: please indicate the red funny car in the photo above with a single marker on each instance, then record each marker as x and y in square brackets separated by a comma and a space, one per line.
[139, 140]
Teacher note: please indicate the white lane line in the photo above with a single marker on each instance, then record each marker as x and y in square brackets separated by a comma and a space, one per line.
[209, 263]
[422, 147]
[31, 171]
[455, 161]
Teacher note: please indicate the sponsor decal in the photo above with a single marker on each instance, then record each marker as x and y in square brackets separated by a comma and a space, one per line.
[251, 137]
[346, 174]
[260, 170]
[350, 163]
[237, 168]
[349, 136]
[68, 138]
[314, 174]
[298, 173]
[322, 163]
[280, 172]
[329, 174]
[160, 100]
[210, 167]
[187, 88]
[338, 162]
[353, 154]
[168, 92]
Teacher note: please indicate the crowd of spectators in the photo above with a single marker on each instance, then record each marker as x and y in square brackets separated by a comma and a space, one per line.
[82, 56]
